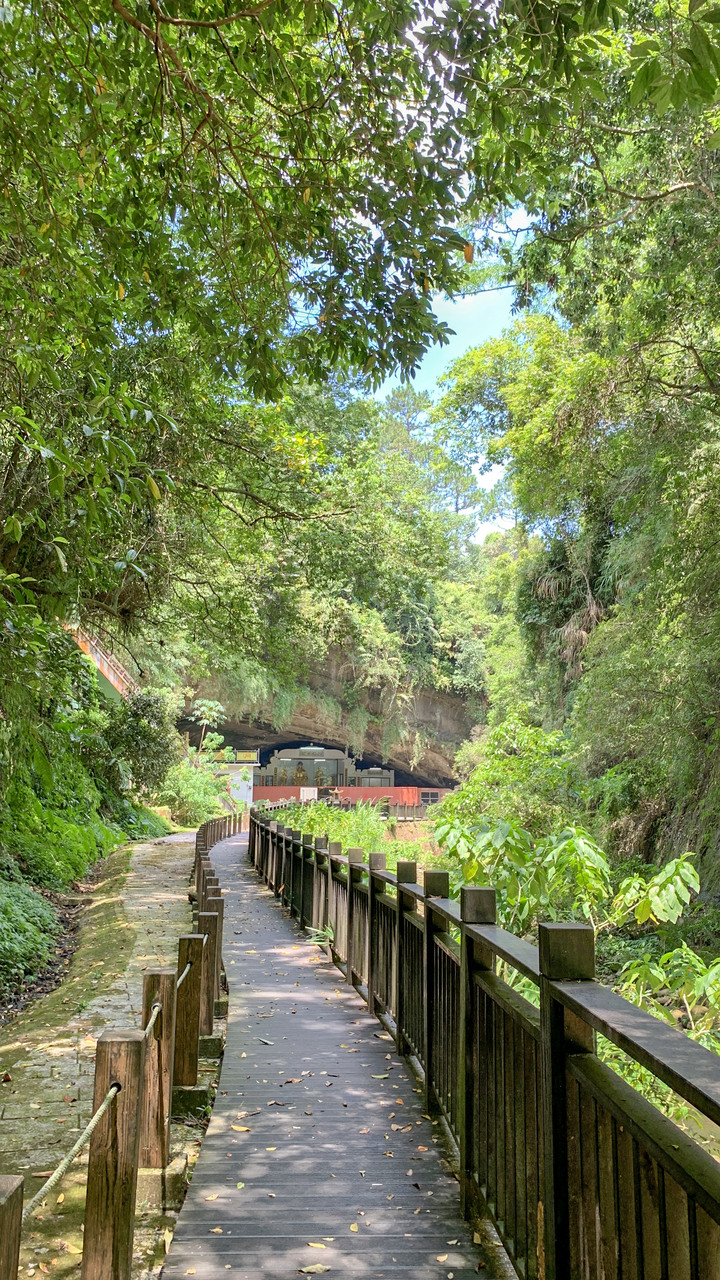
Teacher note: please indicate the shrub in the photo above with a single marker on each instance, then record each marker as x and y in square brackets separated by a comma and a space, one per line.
[192, 791]
[28, 925]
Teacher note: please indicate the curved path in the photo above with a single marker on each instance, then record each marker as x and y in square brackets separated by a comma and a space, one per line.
[318, 1154]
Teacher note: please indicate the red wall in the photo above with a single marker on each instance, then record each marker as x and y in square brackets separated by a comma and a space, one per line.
[401, 795]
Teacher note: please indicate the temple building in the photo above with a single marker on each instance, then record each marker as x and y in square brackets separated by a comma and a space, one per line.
[314, 766]
[304, 771]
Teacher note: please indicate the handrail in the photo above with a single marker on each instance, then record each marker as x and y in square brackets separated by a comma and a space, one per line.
[539, 1120]
[516, 952]
[687, 1067]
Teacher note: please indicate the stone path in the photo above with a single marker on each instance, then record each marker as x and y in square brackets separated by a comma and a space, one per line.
[318, 1156]
[48, 1051]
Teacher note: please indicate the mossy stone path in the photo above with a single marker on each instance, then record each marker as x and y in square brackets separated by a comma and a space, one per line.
[137, 909]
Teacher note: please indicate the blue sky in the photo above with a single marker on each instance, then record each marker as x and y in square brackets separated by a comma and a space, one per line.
[475, 319]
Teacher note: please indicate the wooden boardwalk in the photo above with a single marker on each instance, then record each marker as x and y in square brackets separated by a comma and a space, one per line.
[318, 1154]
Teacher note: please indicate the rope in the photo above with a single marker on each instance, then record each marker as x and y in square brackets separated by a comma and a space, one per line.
[183, 975]
[63, 1167]
[155, 1014]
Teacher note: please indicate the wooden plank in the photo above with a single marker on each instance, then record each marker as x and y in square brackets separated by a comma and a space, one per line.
[708, 1247]
[630, 1261]
[677, 1231]
[608, 1223]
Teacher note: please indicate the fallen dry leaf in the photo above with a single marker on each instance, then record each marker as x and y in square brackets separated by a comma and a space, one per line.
[241, 1128]
[384, 1076]
[353, 1226]
[316, 1269]
[212, 1197]
[422, 1148]
[315, 1244]
[442, 1257]
[190, 1271]
[61, 1198]
[216, 1231]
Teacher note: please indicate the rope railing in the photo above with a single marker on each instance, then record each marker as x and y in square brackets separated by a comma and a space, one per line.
[156, 1011]
[145, 1069]
[64, 1165]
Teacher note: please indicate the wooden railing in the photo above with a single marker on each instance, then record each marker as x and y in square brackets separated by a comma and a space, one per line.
[135, 1073]
[582, 1176]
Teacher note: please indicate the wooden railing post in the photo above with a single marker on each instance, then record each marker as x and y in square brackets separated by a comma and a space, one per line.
[208, 925]
[187, 1026]
[406, 873]
[216, 904]
[320, 896]
[354, 857]
[376, 862]
[158, 988]
[11, 1203]
[437, 885]
[477, 906]
[567, 954]
[308, 881]
[276, 859]
[210, 884]
[113, 1158]
[203, 866]
[334, 850]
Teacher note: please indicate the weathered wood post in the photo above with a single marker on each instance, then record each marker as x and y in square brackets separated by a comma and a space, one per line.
[210, 884]
[376, 862]
[159, 988]
[405, 873]
[203, 866]
[113, 1158]
[319, 902]
[308, 881]
[567, 954]
[216, 904]
[295, 871]
[187, 1026]
[11, 1203]
[354, 859]
[477, 906]
[436, 885]
[208, 925]
[334, 850]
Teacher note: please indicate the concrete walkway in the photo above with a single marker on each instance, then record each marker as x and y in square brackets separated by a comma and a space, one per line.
[318, 1157]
